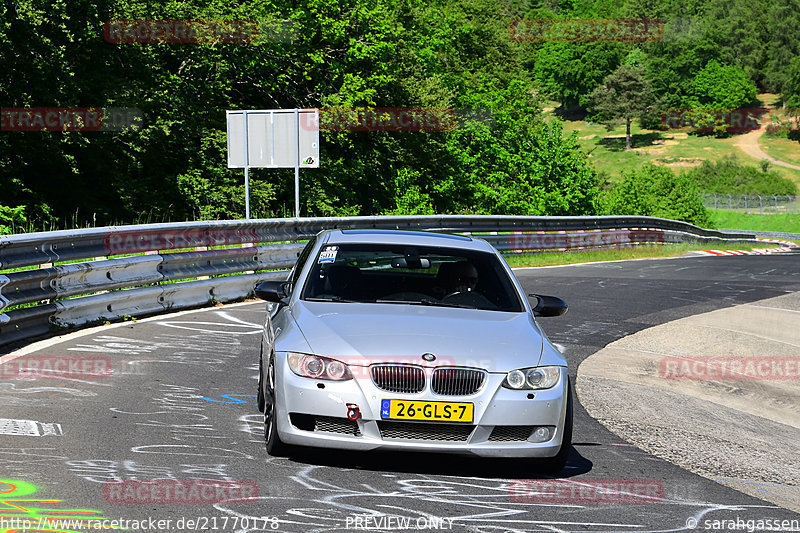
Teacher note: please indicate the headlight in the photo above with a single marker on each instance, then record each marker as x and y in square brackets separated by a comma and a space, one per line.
[536, 378]
[516, 379]
[318, 367]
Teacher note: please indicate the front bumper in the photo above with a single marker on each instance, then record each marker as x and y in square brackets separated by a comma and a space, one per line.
[494, 407]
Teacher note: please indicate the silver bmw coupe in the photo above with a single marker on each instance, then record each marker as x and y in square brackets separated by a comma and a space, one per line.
[405, 340]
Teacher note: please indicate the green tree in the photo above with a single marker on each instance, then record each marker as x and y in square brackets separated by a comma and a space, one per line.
[672, 65]
[781, 45]
[791, 89]
[507, 161]
[719, 86]
[624, 95]
[519, 165]
[568, 72]
[741, 33]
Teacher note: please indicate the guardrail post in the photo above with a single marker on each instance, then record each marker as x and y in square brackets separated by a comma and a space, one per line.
[715, 200]
[760, 206]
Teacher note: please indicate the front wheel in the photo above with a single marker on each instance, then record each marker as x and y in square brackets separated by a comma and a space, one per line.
[275, 446]
[554, 465]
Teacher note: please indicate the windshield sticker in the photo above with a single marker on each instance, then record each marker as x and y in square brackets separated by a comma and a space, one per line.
[328, 255]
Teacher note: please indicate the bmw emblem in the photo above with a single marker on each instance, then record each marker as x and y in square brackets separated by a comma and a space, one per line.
[429, 357]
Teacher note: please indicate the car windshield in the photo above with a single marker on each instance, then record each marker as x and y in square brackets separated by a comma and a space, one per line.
[417, 275]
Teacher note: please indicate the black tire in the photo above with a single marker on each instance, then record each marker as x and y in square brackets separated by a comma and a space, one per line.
[260, 400]
[554, 465]
[275, 446]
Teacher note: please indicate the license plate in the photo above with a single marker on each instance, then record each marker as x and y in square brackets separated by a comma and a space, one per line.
[422, 410]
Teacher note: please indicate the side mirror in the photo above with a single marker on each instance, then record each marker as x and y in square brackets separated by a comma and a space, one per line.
[548, 305]
[272, 291]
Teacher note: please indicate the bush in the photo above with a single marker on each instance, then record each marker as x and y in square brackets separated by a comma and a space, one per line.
[656, 191]
[729, 176]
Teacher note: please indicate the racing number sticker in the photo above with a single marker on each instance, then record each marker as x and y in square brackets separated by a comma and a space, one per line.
[328, 255]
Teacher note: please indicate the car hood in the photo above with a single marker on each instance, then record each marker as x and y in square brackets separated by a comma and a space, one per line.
[370, 333]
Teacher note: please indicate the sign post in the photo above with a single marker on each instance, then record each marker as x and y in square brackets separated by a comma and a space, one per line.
[273, 138]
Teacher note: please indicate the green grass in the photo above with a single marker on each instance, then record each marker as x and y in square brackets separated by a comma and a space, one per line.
[736, 220]
[618, 254]
[675, 148]
[780, 148]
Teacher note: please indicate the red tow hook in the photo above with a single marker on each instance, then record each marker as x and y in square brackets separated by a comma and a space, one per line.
[353, 412]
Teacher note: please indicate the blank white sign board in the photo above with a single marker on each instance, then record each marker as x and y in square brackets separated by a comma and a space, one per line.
[273, 138]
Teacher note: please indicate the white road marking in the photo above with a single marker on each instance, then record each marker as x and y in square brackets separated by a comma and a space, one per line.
[29, 428]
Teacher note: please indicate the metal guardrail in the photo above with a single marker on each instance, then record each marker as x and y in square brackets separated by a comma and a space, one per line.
[766, 204]
[121, 270]
[766, 234]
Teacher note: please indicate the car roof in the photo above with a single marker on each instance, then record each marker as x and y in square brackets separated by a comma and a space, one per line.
[392, 236]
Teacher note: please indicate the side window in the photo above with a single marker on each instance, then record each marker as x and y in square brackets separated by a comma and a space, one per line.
[301, 261]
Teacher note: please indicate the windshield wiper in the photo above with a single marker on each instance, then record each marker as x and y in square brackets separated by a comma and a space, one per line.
[438, 303]
[409, 302]
[433, 303]
[333, 299]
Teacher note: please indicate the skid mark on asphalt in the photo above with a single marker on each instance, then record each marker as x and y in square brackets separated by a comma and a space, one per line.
[189, 450]
[473, 504]
[107, 471]
[228, 326]
[13, 387]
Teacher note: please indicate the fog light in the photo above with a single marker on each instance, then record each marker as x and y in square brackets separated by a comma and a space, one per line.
[542, 434]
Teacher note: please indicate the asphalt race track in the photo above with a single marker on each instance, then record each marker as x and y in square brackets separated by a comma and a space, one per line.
[180, 405]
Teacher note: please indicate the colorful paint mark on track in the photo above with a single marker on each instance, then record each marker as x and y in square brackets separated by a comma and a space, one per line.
[19, 512]
[234, 398]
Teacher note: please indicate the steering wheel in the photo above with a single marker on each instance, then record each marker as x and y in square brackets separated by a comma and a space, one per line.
[454, 293]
